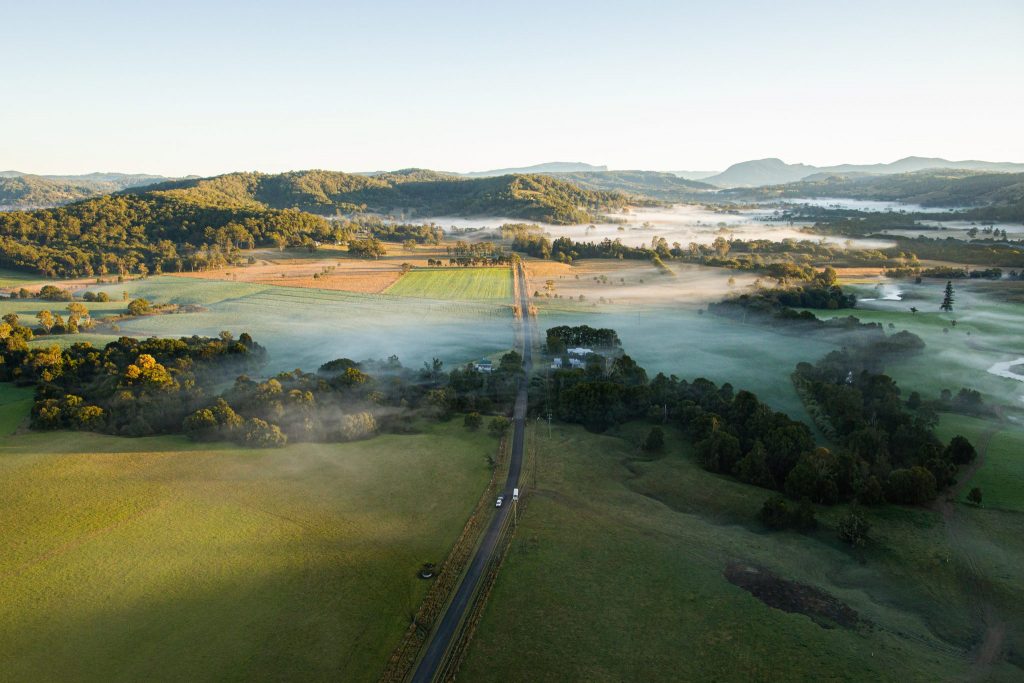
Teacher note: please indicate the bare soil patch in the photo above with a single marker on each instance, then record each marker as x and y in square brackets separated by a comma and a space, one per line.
[323, 269]
[825, 610]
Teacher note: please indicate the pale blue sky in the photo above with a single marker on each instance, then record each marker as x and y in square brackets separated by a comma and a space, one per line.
[208, 87]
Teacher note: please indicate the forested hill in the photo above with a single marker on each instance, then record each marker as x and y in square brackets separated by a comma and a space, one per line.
[415, 192]
[998, 196]
[199, 224]
[663, 186]
[26, 191]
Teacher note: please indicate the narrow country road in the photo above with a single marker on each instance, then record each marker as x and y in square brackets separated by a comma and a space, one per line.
[446, 628]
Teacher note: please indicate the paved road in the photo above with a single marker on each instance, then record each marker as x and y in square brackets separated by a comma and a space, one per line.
[442, 637]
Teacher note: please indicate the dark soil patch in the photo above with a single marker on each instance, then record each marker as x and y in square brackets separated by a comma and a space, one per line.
[825, 610]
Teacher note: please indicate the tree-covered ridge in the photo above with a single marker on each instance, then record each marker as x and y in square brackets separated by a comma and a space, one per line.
[659, 185]
[145, 233]
[26, 191]
[998, 196]
[534, 197]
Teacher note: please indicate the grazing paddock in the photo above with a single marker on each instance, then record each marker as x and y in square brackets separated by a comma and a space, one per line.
[159, 559]
[15, 403]
[1001, 477]
[625, 563]
[455, 283]
[16, 278]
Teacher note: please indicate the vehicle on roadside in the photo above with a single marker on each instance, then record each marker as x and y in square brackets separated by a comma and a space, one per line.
[515, 494]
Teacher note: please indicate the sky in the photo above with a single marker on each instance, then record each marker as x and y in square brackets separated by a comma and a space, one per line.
[211, 87]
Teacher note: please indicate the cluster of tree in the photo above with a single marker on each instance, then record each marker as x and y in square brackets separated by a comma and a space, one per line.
[146, 233]
[951, 272]
[892, 446]
[14, 336]
[369, 247]
[887, 450]
[427, 193]
[129, 387]
[54, 323]
[420, 233]
[467, 254]
[778, 304]
[558, 339]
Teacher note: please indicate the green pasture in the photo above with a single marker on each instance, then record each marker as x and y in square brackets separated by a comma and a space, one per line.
[987, 332]
[1001, 477]
[163, 560]
[306, 327]
[455, 283]
[616, 573]
[15, 403]
[16, 278]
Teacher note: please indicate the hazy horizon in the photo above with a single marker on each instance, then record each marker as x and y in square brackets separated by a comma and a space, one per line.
[205, 89]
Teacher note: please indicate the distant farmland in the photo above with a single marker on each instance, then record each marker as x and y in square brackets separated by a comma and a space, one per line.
[451, 283]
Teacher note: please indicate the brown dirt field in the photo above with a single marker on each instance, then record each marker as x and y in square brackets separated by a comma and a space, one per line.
[859, 272]
[296, 269]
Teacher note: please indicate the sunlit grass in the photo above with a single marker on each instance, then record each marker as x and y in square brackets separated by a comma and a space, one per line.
[455, 283]
[160, 559]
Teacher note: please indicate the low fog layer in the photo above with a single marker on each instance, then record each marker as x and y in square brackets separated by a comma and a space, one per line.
[684, 224]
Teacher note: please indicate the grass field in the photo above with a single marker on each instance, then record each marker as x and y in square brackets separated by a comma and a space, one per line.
[616, 573]
[987, 332]
[15, 402]
[1001, 477]
[455, 283]
[159, 559]
[14, 278]
[304, 327]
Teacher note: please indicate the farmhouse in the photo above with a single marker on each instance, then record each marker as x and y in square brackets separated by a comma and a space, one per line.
[484, 365]
[576, 358]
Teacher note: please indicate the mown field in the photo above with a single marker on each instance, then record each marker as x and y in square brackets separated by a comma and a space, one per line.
[616, 573]
[455, 283]
[163, 560]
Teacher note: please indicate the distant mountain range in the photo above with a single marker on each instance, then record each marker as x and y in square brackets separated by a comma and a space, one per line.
[666, 187]
[550, 167]
[774, 171]
[25, 190]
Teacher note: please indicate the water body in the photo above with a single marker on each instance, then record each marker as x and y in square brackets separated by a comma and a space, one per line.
[1005, 369]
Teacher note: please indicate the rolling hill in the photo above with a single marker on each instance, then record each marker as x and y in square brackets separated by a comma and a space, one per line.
[995, 196]
[415, 192]
[667, 187]
[26, 191]
[774, 171]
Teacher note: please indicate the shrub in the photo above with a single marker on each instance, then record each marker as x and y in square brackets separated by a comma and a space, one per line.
[261, 434]
[139, 307]
[473, 421]
[655, 440]
[499, 426]
[854, 528]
